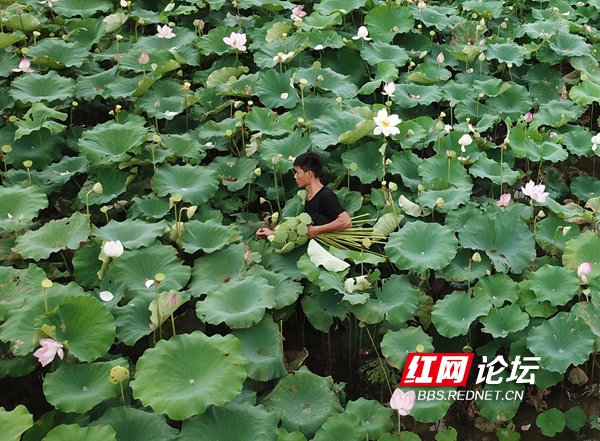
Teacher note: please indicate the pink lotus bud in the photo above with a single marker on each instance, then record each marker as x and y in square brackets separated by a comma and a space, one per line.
[144, 58]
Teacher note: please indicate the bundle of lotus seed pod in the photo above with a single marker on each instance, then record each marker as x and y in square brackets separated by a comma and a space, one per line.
[291, 233]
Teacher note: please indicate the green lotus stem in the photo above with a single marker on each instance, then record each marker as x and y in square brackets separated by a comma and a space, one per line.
[276, 188]
[173, 324]
[399, 426]
[160, 336]
[122, 394]
[45, 300]
[383, 369]
[87, 204]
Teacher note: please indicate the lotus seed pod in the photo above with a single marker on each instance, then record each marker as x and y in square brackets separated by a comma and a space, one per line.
[118, 374]
[287, 248]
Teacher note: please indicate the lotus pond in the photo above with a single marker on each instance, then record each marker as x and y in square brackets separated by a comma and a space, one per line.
[144, 142]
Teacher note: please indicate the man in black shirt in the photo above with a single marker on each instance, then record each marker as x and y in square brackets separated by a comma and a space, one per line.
[322, 204]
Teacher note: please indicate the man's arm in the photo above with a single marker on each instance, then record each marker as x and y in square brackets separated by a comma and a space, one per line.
[342, 222]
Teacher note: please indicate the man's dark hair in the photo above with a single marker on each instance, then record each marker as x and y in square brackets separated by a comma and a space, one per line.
[310, 161]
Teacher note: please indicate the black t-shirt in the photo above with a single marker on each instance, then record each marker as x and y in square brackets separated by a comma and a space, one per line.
[324, 207]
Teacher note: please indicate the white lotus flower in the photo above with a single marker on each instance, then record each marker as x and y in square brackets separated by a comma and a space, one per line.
[363, 33]
[113, 248]
[386, 124]
[236, 41]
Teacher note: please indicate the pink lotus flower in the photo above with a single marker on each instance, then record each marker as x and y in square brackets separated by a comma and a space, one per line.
[173, 300]
[24, 66]
[144, 58]
[535, 192]
[236, 41]
[583, 270]
[528, 117]
[504, 200]
[298, 13]
[48, 351]
[403, 402]
[164, 32]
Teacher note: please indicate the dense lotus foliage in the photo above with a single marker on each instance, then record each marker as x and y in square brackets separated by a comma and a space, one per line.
[144, 142]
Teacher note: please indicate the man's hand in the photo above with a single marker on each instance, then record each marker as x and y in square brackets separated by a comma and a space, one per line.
[312, 231]
[262, 233]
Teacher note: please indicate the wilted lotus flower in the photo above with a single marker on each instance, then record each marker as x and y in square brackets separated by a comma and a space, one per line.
[48, 351]
[403, 402]
[583, 270]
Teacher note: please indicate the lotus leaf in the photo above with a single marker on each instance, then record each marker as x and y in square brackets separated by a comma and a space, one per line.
[583, 248]
[239, 304]
[341, 426]
[530, 303]
[321, 307]
[198, 370]
[385, 22]
[485, 167]
[133, 234]
[554, 284]
[561, 341]
[76, 387]
[379, 51]
[134, 268]
[395, 302]
[550, 233]
[374, 418]
[370, 164]
[570, 45]
[575, 418]
[110, 142]
[74, 432]
[196, 185]
[500, 287]
[333, 124]
[501, 322]
[428, 411]
[57, 235]
[133, 424]
[35, 88]
[287, 290]
[396, 345]
[209, 236]
[217, 268]
[500, 410]
[243, 422]
[58, 54]
[453, 315]
[422, 246]
[261, 345]
[551, 422]
[507, 241]
[23, 22]
[20, 206]
[464, 268]
[275, 89]
[13, 423]
[303, 401]
[589, 312]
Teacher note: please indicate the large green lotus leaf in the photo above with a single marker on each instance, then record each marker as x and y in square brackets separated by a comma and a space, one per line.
[369, 162]
[585, 187]
[85, 324]
[239, 304]
[14, 366]
[380, 51]
[91, 86]
[7, 40]
[506, 53]
[589, 312]
[422, 246]
[406, 164]
[331, 125]
[501, 410]
[149, 206]
[585, 93]
[184, 375]
[555, 284]
[412, 95]
[82, 8]
[506, 320]
[86, 264]
[219, 267]
[341, 427]
[321, 307]
[18, 327]
[440, 17]
[260, 119]
[567, 44]
[435, 168]
[500, 287]
[261, 345]
[284, 435]
[235, 173]
[239, 421]
[136, 267]
[452, 197]
[303, 401]
[74, 432]
[113, 181]
[133, 319]
[56, 235]
[37, 117]
[13, 423]
[209, 236]
[133, 234]
[86, 32]
[196, 185]
[76, 387]
[429, 411]
[328, 80]
[56, 53]
[327, 7]
[561, 341]
[396, 302]
[122, 87]
[550, 233]
[163, 100]
[374, 418]
[551, 422]
[292, 145]
[529, 302]
[132, 424]
[287, 290]
[20, 206]
[507, 241]
[276, 90]
[583, 248]
[23, 22]
[557, 113]
[396, 345]
[463, 268]
[109, 142]
[429, 73]
[385, 22]
[453, 315]
[485, 167]
[34, 88]
[513, 103]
